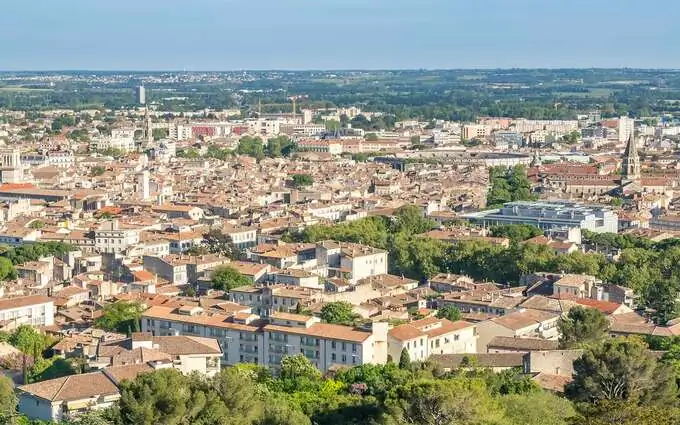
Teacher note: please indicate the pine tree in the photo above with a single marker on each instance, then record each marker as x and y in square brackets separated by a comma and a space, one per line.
[404, 360]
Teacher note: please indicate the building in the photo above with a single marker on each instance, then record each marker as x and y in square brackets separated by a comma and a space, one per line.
[172, 268]
[550, 215]
[34, 310]
[475, 131]
[524, 323]
[351, 260]
[112, 239]
[143, 186]
[631, 162]
[247, 338]
[141, 95]
[626, 128]
[62, 398]
[425, 337]
[507, 140]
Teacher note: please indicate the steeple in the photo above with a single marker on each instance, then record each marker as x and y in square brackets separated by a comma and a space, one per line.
[631, 161]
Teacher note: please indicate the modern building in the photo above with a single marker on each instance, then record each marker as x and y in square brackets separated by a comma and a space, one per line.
[550, 215]
[247, 338]
[34, 310]
[141, 95]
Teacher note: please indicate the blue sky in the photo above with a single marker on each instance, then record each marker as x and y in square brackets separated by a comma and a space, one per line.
[336, 34]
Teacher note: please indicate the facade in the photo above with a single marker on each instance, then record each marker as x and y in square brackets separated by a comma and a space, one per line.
[34, 310]
[429, 336]
[172, 268]
[550, 215]
[524, 323]
[247, 338]
[111, 238]
[631, 162]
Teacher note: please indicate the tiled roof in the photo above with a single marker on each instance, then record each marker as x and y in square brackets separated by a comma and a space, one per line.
[73, 387]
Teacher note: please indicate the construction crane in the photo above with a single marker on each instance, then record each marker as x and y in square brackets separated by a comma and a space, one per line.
[293, 99]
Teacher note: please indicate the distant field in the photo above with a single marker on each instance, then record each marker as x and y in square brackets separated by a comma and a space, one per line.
[591, 93]
[22, 89]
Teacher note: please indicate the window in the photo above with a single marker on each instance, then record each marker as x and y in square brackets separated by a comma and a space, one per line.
[421, 341]
[333, 356]
[333, 345]
[344, 358]
[344, 347]
[354, 348]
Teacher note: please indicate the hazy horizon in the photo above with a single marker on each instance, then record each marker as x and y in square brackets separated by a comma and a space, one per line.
[301, 35]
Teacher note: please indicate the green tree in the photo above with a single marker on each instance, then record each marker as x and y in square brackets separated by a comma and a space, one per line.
[27, 339]
[299, 367]
[226, 278]
[161, 397]
[251, 146]
[371, 137]
[238, 392]
[617, 412]
[621, 369]
[302, 180]
[219, 243]
[442, 402]
[339, 313]
[7, 270]
[516, 232]
[537, 408]
[121, 316]
[583, 326]
[37, 224]
[97, 170]
[449, 312]
[662, 296]
[8, 399]
[404, 359]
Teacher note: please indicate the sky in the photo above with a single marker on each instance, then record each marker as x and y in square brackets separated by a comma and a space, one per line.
[337, 34]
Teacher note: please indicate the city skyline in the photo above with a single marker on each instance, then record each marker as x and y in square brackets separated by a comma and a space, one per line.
[303, 35]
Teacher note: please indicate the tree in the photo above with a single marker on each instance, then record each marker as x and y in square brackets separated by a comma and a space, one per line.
[251, 146]
[161, 397]
[516, 232]
[449, 312]
[226, 278]
[662, 296]
[582, 326]
[298, 367]
[621, 369]
[121, 316]
[219, 243]
[7, 270]
[339, 313]
[616, 412]
[36, 224]
[443, 402]
[238, 393]
[97, 170]
[537, 408]
[301, 180]
[404, 359]
[282, 411]
[8, 399]
[27, 339]
[371, 137]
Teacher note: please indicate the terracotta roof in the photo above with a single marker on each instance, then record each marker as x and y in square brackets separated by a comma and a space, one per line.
[405, 332]
[522, 344]
[453, 361]
[74, 387]
[324, 330]
[127, 372]
[524, 318]
[11, 303]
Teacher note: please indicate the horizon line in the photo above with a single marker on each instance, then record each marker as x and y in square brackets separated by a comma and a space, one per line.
[5, 71]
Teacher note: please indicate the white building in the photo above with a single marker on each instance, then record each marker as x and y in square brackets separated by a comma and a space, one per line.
[626, 128]
[111, 238]
[34, 310]
[245, 338]
[425, 337]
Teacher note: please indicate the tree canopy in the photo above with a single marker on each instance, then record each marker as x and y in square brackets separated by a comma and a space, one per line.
[225, 278]
[121, 316]
[339, 313]
[583, 326]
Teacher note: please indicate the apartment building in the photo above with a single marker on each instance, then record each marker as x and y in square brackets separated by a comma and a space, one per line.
[265, 300]
[242, 237]
[111, 238]
[34, 310]
[524, 323]
[247, 338]
[351, 260]
[172, 268]
[476, 131]
[425, 337]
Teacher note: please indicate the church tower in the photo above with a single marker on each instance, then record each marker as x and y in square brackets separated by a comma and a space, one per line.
[631, 161]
